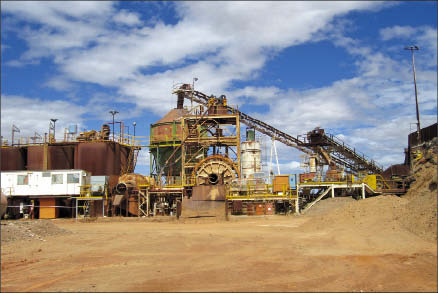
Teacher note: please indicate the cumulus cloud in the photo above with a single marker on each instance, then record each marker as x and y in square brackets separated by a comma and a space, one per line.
[222, 42]
[397, 32]
[127, 18]
[33, 115]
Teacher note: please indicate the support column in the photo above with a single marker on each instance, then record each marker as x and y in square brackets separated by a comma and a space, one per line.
[333, 191]
[148, 202]
[297, 203]
[363, 190]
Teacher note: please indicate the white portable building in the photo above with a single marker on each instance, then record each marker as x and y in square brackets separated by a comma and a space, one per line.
[43, 183]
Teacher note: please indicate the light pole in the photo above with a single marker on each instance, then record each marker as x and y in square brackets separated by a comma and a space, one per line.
[412, 49]
[52, 126]
[113, 112]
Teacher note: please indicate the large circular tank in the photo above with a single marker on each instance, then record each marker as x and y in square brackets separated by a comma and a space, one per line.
[251, 158]
[165, 133]
[61, 157]
[35, 157]
[99, 158]
[13, 158]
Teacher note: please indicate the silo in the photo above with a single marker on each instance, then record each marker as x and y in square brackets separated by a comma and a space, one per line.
[166, 134]
[251, 158]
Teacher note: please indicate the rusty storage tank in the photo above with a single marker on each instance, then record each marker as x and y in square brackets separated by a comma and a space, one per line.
[35, 157]
[164, 134]
[13, 158]
[99, 158]
[61, 157]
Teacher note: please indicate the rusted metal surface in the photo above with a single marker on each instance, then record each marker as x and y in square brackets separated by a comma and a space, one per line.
[237, 207]
[133, 205]
[426, 133]
[35, 157]
[398, 170]
[100, 158]
[172, 115]
[131, 180]
[13, 158]
[209, 193]
[260, 209]
[215, 169]
[250, 209]
[61, 157]
[269, 208]
[202, 208]
[304, 177]
[180, 102]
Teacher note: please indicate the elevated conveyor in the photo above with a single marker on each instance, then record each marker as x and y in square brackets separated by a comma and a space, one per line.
[318, 143]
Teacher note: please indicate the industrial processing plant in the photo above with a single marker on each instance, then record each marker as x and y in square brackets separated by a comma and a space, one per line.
[199, 166]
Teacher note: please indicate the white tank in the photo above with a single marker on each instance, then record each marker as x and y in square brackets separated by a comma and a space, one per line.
[312, 163]
[251, 158]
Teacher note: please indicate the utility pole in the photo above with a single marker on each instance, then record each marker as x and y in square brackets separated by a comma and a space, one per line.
[412, 49]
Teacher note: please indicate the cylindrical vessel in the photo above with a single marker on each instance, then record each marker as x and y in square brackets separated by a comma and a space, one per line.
[61, 157]
[99, 158]
[13, 158]
[312, 164]
[251, 158]
[35, 158]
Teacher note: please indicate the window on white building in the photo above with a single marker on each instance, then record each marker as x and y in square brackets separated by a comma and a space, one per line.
[56, 178]
[22, 179]
[73, 178]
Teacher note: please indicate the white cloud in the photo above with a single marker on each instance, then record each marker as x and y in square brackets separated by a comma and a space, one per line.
[127, 18]
[30, 115]
[397, 32]
[229, 40]
[222, 42]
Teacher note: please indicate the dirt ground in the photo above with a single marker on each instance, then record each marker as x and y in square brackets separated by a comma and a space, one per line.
[382, 243]
[265, 253]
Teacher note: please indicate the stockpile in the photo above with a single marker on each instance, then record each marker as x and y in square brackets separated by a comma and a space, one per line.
[416, 211]
[420, 216]
[28, 230]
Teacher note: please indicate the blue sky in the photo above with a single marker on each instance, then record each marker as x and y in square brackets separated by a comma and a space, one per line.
[295, 65]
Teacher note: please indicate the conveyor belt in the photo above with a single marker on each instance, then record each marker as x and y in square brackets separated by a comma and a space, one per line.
[338, 151]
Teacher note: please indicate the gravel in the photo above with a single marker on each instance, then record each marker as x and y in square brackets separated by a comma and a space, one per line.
[14, 230]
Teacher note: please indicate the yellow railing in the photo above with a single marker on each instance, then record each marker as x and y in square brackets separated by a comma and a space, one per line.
[87, 192]
[249, 190]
